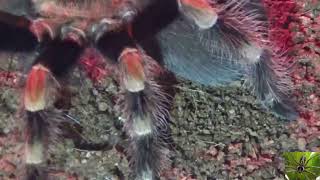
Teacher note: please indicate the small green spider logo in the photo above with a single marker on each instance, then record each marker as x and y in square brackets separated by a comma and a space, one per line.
[302, 165]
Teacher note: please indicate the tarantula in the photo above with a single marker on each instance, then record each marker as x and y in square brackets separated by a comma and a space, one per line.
[213, 42]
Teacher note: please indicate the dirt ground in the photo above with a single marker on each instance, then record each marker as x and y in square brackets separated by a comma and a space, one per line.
[219, 133]
[223, 134]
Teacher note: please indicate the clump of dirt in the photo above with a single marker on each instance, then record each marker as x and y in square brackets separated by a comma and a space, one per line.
[226, 134]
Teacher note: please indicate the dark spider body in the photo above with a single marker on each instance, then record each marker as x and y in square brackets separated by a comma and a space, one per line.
[304, 166]
[210, 42]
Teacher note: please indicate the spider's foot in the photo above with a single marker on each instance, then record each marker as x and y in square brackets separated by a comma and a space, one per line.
[41, 27]
[74, 34]
[102, 27]
[199, 11]
[127, 12]
[271, 83]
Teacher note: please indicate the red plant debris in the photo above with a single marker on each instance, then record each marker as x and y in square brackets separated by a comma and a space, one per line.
[63, 174]
[295, 29]
[8, 79]
[306, 75]
[7, 166]
[280, 14]
[177, 173]
[10, 160]
[94, 65]
[251, 163]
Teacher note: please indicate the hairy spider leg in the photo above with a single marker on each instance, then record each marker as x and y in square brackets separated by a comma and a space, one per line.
[199, 11]
[144, 107]
[42, 121]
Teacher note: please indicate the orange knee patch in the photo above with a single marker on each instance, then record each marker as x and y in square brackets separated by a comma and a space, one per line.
[133, 70]
[198, 4]
[200, 11]
[35, 89]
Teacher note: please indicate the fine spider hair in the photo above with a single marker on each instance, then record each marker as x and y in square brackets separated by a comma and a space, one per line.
[212, 42]
[146, 115]
[41, 122]
[43, 131]
[246, 17]
[270, 82]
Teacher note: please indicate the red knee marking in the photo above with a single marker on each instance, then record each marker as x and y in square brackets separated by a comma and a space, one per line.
[132, 61]
[198, 4]
[34, 94]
